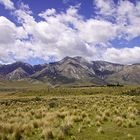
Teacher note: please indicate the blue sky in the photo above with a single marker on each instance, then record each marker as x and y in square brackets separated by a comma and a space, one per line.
[49, 30]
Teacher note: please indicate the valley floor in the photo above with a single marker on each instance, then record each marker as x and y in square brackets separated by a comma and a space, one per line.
[101, 113]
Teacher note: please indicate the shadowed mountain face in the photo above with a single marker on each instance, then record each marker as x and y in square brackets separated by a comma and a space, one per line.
[6, 69]
[17, 74]
[68, 70]
[127, 75]
[73, 70]
[104, 69]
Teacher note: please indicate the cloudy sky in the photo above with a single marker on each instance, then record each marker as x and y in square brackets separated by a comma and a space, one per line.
[40, 31]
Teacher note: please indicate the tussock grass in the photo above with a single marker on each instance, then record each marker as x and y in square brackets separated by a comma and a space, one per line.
[100, 130]
[75, 115]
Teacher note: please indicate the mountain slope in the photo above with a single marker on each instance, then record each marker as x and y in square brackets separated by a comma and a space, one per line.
[128, 75]
[73, 70]
[5, 69]
[103, 69]
[17, 74]
[68, 70]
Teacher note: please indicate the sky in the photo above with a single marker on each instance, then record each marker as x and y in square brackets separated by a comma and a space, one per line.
[43, 31]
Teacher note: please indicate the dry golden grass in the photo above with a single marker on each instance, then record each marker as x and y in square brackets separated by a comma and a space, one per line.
[68, 117]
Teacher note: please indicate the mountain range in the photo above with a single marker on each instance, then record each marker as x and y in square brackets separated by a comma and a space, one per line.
[73, 70]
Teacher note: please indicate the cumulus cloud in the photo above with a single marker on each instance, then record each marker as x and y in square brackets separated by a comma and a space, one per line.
[48, 12]
[123, 55]
[11, 42]
[97, 31]
[105, 7]
[8, 4]
[125, 15]
[10, 32]
[69, 34]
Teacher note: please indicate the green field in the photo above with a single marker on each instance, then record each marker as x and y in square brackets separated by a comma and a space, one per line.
[37, 112]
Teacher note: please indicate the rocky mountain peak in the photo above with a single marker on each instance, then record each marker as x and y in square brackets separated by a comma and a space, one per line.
[17, 74]
[73, 69]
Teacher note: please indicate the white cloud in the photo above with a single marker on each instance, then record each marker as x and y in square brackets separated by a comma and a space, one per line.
[123, 55]
[69, 34]
[53, 37]
[11, 36]
[97, 31]
[105, 7]
[125, 14]
[8, 4]
[9, 32]
[48, 12]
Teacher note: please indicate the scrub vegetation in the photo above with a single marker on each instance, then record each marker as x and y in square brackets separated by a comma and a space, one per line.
[39, 112]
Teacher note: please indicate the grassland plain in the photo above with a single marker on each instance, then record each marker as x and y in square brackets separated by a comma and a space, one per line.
[37, 112]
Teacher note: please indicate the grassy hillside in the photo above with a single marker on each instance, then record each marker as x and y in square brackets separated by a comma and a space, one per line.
[37, 111]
